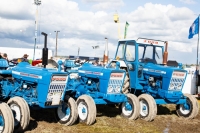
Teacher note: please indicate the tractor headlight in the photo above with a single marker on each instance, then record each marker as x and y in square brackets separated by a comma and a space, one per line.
[171, 86]
[110, 89]
[179, 86]
[117, 89]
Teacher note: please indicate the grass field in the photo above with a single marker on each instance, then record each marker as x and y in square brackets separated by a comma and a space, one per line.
[109, 120]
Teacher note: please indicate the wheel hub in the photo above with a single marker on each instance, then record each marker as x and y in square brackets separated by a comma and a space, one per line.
[143, 108]
[16, 113]
[63, 112]
[1, 123]
[82, 111]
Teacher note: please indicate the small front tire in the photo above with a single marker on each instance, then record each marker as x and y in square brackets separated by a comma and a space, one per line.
[131, 108]
[6, 119]
[148, 107]
[67, 114]
[86, 109]
[190, 110]
[21, 113]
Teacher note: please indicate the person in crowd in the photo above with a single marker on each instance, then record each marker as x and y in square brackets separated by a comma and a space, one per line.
[77, 61]
[5, 56]
[102, 64]
[25, 58]
[99, 63]
[1, 56]
[94, 63]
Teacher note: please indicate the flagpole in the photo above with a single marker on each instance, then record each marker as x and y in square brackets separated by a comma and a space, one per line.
[197, 67]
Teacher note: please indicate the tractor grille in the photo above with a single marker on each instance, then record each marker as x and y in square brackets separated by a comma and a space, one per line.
[57, 86]
[115, 83]
[177, 80]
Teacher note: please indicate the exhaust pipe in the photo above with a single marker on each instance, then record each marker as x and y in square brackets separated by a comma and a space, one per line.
[165, 55]
[45, 51]
[105, 56]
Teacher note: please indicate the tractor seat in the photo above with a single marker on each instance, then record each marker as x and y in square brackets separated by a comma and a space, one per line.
[172, 63]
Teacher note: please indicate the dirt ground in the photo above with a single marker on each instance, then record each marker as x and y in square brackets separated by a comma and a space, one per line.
[109, 120]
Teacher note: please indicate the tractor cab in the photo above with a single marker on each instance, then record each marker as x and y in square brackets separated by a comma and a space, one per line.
[144, 60]
[134, 54]
[136, 51]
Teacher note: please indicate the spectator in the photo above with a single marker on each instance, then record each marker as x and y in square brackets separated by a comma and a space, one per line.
[5, 56]
[95, 63]
[101, 63]
[25, 58]
[77, 61]
[0, 56]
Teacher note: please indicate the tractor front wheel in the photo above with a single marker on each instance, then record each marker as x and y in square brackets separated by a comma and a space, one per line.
[67, 114]
[131, 108]
[86, 109]
[20, 112]
[148, 107]
[6, 119]
[190, 109]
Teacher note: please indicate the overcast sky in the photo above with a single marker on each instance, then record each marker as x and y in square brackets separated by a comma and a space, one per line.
[86, 23]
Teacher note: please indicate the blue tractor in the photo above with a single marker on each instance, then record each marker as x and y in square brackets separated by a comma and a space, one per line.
[149, 77]
[71, 64]
[6, 115]
[25, 86]
[91, 85]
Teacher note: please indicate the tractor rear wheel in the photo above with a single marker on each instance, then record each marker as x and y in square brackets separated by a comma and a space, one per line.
[6, 119]
[67, 114]
[148, 107]
[86, 109]
[20, 112]
[126, 84]
[131, 108]
[190, 109]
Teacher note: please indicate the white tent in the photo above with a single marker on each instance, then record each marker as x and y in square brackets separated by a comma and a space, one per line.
[190, 82]
[19, 52]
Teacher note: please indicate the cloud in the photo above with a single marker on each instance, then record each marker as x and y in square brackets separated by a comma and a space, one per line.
[18, 9]
[105, 4]
[161, 23]
[87, 28]
[188, 1]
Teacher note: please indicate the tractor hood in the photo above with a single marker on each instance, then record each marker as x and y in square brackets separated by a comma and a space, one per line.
[172, 78]
[92, 71]
[31, 73]
[159, 70]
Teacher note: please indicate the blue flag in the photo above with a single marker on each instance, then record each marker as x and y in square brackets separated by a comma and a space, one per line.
[194, 28]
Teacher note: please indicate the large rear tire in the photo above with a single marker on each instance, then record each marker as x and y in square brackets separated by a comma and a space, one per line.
[126, 86]
[21, 113]
[148, 107]
[6, 119]
[190, 110]
[86, 109]
[67, 114]
[131, 108]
